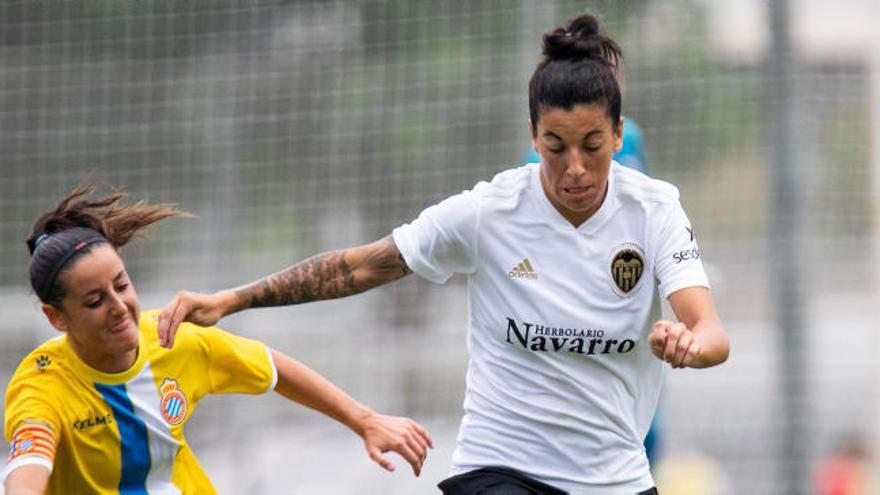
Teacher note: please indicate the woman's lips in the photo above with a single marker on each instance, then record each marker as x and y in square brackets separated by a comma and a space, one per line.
[121, 326]
[576, 193]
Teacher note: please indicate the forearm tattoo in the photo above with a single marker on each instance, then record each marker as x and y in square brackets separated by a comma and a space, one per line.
[327, 276]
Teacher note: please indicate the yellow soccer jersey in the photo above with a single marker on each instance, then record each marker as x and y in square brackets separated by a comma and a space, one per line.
[123, 433]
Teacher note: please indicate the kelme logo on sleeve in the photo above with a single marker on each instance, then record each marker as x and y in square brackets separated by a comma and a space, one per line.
[43, 362]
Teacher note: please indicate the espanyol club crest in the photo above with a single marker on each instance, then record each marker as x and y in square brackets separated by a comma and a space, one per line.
[22, 444]
[627, 265]
[173, 405]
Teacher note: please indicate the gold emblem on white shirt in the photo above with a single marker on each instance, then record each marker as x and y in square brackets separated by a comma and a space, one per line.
[523, 270]
[626, 269]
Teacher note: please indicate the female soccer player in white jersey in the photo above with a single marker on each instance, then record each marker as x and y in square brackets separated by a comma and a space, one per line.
[562, 258]
[102, 408]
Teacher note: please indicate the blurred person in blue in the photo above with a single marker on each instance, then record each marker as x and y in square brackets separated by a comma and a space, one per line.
[102, 408]
[563, 258]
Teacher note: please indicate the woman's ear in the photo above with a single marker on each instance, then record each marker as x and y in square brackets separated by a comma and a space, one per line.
[56, 317]
[618, 136]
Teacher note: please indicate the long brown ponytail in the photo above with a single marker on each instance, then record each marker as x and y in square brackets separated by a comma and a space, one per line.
[76, 224]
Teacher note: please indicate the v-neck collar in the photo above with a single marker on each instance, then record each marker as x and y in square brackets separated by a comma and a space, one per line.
[93, 375]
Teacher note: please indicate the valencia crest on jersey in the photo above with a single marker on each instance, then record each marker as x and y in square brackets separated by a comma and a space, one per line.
[173, 402]
[627, 266]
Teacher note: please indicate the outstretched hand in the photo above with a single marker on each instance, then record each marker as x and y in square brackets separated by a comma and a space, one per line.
[201, 309]
[404, 436]
[674, 343]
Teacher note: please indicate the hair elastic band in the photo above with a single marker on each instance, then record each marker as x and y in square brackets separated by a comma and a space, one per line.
[73, 241]
[40, 238]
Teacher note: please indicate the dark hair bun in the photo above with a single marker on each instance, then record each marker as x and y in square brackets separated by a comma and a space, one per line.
[581, 38]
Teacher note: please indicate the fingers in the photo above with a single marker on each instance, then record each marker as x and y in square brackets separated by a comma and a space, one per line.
[403, 448]
[402, 436]
[164, 319]
[423, 434]
[170, 319]
[412, 456]
[376, 455]
[413, 447]
[674, 343]
[657, 339]
[692, 354]
[677, 341]
[685, 340]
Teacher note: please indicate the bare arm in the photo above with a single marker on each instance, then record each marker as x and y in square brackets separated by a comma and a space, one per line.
[328, 275]
[379, 432]
[699, 340]
[31, 479]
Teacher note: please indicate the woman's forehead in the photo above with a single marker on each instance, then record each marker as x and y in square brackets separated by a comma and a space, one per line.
[580, 120]
[100, 264]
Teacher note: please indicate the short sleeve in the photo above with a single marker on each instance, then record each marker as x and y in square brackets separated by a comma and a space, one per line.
[32, 428]
[237, 365]
[678, 258]
[442, 241]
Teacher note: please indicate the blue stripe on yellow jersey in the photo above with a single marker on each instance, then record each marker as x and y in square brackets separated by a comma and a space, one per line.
[134, 444]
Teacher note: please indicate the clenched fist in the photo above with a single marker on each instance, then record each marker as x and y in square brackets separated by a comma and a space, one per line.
[674, 343]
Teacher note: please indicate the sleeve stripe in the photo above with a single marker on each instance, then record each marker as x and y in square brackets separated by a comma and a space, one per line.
[42, 442]
[48, 454]
[25, 461]
[46, 447]
[36, 450]
[38, 429]
[36, 432]
[274, 371]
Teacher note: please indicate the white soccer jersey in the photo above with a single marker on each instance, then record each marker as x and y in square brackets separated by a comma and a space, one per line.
[561, 383]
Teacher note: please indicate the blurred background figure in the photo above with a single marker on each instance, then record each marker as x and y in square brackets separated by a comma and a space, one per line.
[845, 471]
[691, 474]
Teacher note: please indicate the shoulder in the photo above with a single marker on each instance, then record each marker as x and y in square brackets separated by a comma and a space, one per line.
[507, 186]
[635, 187]
[502, 192]
[46, 360]
[39, 374]
[506, 181]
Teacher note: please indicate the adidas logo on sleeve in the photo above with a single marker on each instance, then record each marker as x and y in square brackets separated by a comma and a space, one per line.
[523, 270]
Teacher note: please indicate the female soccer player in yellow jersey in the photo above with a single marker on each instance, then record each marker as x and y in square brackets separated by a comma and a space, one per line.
[102, 408]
